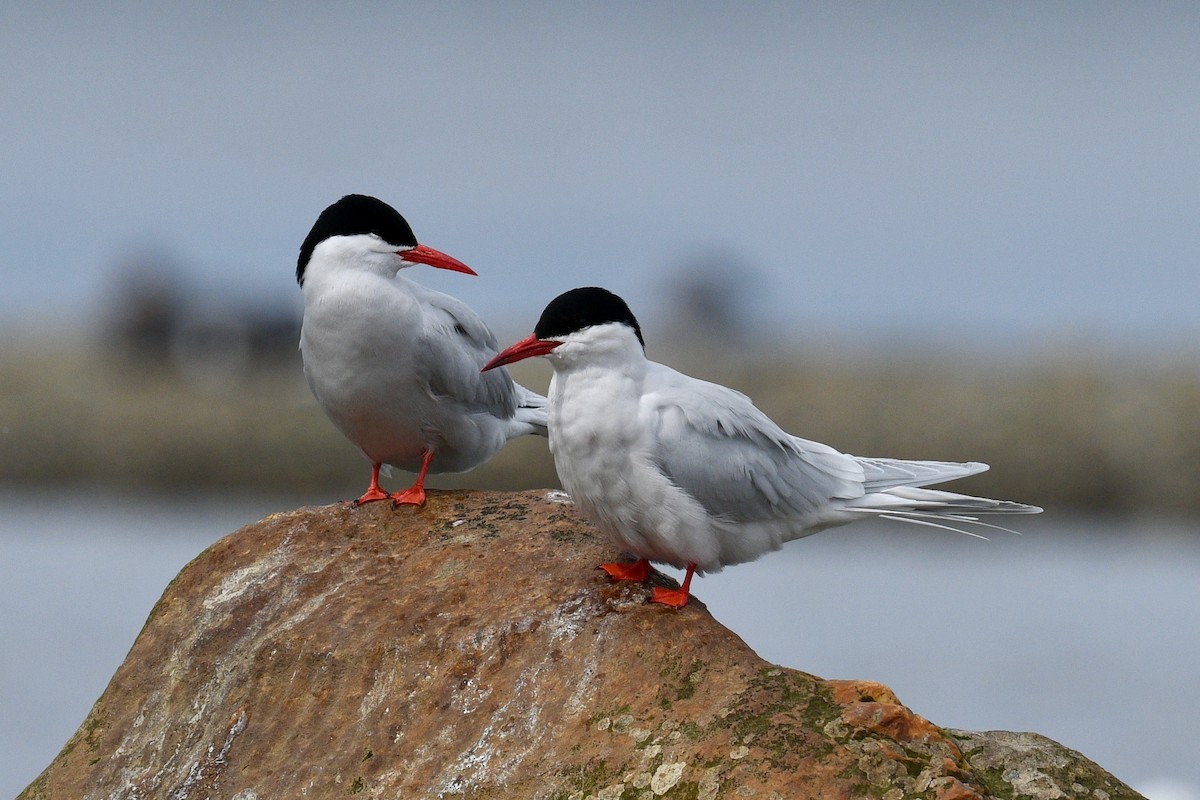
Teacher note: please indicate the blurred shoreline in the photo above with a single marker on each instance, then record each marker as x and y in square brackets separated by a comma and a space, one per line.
[1062, 432]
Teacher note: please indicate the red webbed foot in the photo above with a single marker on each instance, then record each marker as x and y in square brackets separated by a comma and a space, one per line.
[370, 496]
[674, 598]
[637, 571]
[373, 492]
[415, 494]
[412, 496]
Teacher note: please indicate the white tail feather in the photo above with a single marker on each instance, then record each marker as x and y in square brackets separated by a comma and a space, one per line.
[924, 517]
[916, 521]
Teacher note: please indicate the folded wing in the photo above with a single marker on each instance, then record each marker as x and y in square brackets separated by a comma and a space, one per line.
[712, 442]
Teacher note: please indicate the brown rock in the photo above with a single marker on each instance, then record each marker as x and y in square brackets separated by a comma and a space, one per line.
[874, 707]
[471, 649]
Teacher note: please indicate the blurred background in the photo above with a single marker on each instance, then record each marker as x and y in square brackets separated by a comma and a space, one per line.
[927, 230]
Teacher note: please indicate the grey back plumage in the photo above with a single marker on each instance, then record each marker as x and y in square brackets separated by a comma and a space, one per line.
[715, 444]
[457, 331]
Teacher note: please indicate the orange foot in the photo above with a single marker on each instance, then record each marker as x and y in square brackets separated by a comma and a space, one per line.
[370, 496]
[412, 496]
[373, 492]
[637, 571]
[675, 598]
[415, 494]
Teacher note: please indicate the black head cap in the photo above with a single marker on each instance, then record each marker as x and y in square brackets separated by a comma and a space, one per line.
[582, 308]
[353, 214]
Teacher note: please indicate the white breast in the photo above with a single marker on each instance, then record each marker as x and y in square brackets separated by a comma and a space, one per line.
[368, 363]
[605, 462]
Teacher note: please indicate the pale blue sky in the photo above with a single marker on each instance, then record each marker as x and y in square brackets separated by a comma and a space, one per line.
[946, 172]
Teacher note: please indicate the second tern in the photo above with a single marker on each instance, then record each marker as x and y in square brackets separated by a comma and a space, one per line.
[685, 472]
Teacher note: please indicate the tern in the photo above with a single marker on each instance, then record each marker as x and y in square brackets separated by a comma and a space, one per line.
[689, 473]
[394, 365]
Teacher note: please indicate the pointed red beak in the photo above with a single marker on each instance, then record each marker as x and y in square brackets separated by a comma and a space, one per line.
[434, 258]
[528, 347]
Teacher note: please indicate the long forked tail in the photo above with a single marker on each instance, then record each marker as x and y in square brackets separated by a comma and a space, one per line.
[894, 491]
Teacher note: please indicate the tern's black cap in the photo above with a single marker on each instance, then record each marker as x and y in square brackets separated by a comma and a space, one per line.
[582, 308]
[354, 214]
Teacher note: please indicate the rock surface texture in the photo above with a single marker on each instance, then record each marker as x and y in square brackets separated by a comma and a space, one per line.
[471, 649]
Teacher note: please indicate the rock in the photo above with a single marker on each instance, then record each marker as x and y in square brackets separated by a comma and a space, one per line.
[471, 649]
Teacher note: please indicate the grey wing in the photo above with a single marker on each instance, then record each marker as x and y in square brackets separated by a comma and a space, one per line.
[712, 442]
[887, 473]
[459, 344]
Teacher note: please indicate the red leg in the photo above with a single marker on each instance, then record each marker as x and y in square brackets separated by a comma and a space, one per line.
[373, 491]
[637, 571]
[675, 598]
[415, 494]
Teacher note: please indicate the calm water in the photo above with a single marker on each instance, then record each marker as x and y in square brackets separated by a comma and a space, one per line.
[1086, 631]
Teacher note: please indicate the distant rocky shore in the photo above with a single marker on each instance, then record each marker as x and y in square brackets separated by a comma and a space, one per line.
[1063, 434]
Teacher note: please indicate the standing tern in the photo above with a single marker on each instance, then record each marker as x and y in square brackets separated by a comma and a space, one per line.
[394, 365]
[690, 473]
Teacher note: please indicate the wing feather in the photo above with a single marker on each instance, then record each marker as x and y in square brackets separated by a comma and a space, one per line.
[715, 444]
[459, 344]
[886, 473]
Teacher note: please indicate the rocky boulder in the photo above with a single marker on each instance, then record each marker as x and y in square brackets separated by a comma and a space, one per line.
[471, 649]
